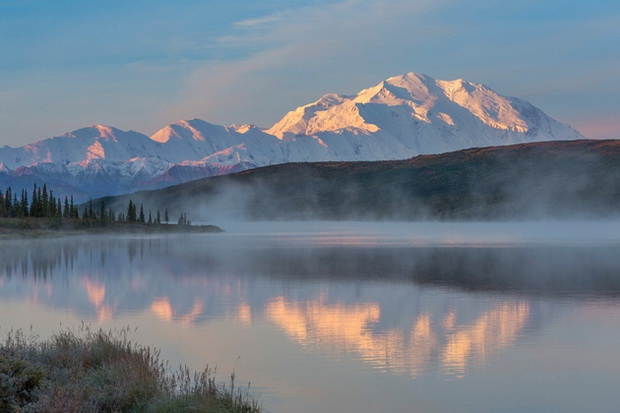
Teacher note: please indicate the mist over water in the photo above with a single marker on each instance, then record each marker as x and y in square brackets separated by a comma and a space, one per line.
[370, 316]
[543, 181]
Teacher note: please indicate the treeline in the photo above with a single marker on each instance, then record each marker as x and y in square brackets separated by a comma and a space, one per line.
[43, 204]
[133, 215]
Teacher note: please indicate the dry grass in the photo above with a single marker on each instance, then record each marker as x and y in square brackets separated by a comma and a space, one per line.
[97, 371]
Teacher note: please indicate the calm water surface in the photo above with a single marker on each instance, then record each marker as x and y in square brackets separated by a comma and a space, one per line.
[351, 317]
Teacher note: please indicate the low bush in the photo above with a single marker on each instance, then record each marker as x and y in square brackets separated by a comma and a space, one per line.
[97, 371]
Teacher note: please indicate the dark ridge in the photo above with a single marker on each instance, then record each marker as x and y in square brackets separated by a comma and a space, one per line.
[559, 179]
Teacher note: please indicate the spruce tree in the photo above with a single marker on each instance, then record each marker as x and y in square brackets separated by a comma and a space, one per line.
[15, 207]
[40, 211]
[24, 204]
[66, 212]
[33, 203]
[51, 202]
[102, 211]
[44, 201]
[91, 212]
[8, 202]
[131, 212]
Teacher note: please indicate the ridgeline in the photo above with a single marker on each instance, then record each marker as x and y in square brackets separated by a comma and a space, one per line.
[536, 180]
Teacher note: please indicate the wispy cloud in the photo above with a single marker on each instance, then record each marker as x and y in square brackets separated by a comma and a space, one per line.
[259, 21]
[303, 53]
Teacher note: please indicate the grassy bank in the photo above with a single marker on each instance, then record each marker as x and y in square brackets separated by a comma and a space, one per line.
[88, 371]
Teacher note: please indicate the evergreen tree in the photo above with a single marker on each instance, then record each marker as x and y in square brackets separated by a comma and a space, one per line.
[158, 218]
[33, 204]
[44, 202]
[91, 211]
[142, 213]
[8, 202]
[166, 218]
[66, 212]
[51, 209]
[131, 212]
[15, 206]
[102, 214]
[183, 219]
[72, 209]
[24, 204]
[40, 211]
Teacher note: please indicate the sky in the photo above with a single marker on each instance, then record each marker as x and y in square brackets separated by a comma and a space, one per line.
[141, 65]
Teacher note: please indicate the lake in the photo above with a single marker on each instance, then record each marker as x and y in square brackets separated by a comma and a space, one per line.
[351, 316]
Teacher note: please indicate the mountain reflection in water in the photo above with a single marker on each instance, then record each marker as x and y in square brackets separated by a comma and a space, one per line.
[407, 309]
[432, 339]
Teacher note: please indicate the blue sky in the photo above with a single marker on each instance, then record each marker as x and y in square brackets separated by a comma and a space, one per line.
[141, 65]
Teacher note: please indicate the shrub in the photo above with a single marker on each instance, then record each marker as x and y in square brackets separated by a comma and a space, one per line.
[99, 371]
[19, 382]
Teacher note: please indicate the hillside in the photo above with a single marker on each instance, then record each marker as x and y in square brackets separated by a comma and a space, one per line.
[560, 179]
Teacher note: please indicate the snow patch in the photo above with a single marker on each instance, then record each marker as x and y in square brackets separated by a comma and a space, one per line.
[95, 151]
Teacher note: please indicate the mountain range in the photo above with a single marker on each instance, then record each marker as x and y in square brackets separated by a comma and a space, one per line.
[399, 118]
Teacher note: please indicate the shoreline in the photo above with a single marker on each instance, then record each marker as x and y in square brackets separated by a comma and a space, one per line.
[43, 227]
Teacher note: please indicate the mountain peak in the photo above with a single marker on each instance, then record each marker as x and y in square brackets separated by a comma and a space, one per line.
[180, 130]
[458, 110]
[411, 77]
[106, 132]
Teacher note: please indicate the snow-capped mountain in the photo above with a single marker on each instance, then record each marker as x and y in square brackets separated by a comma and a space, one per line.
[415, 114]
[101, 160]
[401, 117]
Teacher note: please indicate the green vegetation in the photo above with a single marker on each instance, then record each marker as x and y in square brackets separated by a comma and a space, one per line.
[89, 371]
[46, 213]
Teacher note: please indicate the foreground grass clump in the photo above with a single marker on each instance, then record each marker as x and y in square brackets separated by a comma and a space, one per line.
[88, 371]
